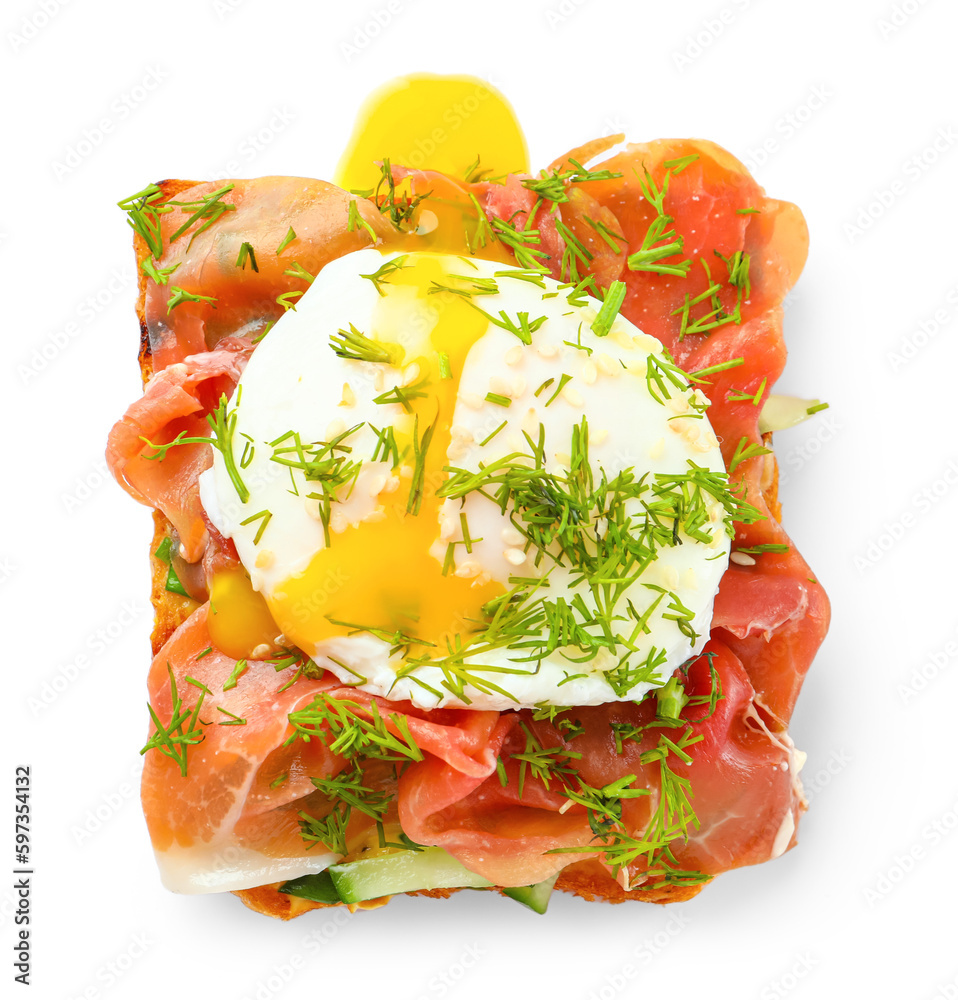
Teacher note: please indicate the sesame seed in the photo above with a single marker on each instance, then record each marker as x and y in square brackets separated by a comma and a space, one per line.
[510, 536]
[706, 442]
[468, 570]
[515, 557]
[608, 365]
[514, 355]
[741, 559]
[647, 342]
[687, 429]
[260, 652]
[264, 558]
[471, 399]
[572, 396]
[590, 372]
[530, 422]
[547, 350]
[349, 397]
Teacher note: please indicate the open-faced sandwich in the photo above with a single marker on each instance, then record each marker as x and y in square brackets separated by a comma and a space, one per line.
[467, 563]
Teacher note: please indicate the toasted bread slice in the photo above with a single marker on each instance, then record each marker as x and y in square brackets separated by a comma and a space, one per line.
[587, 879]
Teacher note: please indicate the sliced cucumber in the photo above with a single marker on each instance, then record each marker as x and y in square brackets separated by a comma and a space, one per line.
[318, 887]
[781, 412]
[536, 897]
[403, 871]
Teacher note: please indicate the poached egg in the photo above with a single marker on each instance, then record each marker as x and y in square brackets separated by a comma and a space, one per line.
[461, 483]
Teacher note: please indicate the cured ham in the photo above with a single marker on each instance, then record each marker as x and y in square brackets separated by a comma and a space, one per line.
[237, 817]
[243, 298]
[176, 402]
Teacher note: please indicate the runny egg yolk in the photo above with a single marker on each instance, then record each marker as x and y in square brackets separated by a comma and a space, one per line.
[436, 123]
[430, 122]
[239, 619]
[380, 574]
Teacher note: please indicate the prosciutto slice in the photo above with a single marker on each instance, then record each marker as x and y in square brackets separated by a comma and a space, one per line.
[261, 213]
[176, 401]
[232, 821]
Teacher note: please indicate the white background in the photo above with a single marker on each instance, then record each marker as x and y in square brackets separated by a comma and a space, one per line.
[859, 909]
